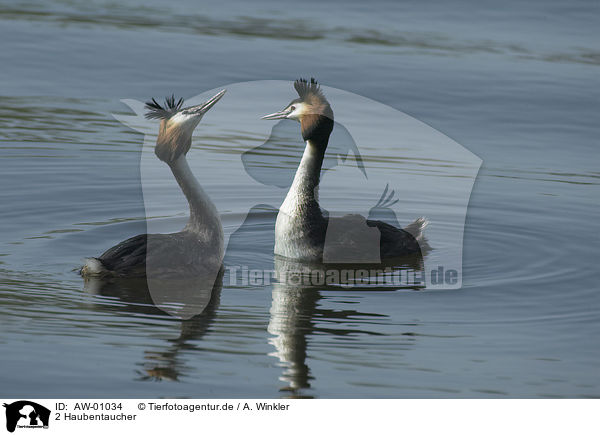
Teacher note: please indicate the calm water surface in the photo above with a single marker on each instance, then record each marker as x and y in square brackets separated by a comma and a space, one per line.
[517, 86]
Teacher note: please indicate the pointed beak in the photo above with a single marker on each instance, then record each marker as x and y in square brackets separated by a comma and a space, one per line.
[278, 115]
[201, 109]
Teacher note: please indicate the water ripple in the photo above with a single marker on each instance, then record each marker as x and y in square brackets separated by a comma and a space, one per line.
[165, 20]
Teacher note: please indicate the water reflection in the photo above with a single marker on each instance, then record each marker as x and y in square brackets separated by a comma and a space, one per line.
[135, 297]
[296, 314]
[164, 364]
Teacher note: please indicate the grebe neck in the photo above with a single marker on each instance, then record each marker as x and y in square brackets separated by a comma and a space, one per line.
[204, 217]
[302, 197]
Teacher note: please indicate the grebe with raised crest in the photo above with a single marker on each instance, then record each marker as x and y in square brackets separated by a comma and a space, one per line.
[301, 227]
[199, 246]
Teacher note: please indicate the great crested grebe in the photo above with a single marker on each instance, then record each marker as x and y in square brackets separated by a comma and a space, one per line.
[199, 246]
[301, 228]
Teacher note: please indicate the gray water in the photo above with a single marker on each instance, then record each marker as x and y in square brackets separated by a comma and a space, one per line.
[517, 84]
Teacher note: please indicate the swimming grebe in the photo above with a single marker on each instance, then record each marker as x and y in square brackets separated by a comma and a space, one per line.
[199, 246]
[301, 228]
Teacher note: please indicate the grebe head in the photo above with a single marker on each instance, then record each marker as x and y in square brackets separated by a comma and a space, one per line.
[177, 125]
[312, 110]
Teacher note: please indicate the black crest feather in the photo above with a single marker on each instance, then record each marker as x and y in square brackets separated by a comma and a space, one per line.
[306, 88]
[156, 111]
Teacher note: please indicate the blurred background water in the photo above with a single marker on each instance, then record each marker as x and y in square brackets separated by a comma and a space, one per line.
[517, 84]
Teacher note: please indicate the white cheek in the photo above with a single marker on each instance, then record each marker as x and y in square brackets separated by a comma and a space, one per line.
[296, 113]
[180, 118]
[186, 122]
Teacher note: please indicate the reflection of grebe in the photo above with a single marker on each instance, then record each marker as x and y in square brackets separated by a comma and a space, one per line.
[297, 314]
[301, 228]
[199, 246]
[194, 298]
